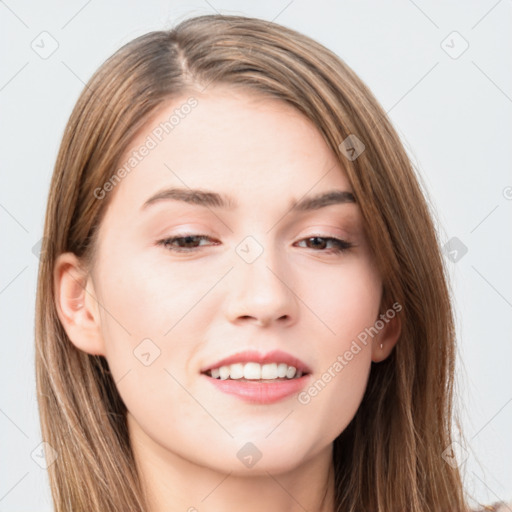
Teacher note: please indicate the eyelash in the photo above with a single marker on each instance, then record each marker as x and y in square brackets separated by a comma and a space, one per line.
[341, 245]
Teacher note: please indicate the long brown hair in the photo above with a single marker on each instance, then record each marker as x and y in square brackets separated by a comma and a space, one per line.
[389, 458]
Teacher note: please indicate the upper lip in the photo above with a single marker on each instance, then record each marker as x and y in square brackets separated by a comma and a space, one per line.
[275, 356]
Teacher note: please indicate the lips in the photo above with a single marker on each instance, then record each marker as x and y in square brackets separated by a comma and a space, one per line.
[275, 356]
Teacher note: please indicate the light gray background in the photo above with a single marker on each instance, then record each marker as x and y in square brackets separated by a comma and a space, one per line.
[453, 114]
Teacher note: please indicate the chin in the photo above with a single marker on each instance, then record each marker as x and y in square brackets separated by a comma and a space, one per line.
[255, 455]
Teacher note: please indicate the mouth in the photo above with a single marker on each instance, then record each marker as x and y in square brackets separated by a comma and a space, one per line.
[259, 379]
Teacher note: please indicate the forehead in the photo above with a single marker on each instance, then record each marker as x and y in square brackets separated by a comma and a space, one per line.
[247, 146]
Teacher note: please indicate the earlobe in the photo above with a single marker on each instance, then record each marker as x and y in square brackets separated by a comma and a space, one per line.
[76, 304]
[386, 339]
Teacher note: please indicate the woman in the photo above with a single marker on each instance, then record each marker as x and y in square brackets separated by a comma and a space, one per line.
[243, 303]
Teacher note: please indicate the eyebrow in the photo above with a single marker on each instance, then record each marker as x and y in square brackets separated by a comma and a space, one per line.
[215, 200]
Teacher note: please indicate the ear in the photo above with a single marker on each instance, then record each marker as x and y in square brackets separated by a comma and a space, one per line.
[388, 335]
[76, 303]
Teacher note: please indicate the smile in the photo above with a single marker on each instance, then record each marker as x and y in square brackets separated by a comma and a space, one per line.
[255, 371]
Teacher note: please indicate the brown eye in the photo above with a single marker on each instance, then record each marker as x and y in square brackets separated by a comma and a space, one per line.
[320, 243]
[183, 243]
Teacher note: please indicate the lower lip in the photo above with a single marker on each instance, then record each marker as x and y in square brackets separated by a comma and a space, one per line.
[260, 392]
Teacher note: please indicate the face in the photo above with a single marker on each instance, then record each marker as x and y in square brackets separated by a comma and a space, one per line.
[184, 285]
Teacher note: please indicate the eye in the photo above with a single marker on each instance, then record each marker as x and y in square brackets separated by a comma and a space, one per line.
[321, 242]
[183, 242]
[192, 242]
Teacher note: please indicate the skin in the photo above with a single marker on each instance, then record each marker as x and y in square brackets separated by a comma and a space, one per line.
[201, 306]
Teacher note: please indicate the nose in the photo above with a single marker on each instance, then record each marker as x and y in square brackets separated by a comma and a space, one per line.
[261, 293]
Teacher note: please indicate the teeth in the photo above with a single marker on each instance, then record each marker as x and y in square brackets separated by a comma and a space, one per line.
[224, 372]
[252, 371]
[290, 373]
[269, 371]
[255, 371]
[282, 368]
[236, 371]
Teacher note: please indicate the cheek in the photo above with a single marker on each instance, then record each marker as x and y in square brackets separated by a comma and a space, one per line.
[349, 309]
[147, 334]
[335, 391]
[152, 313]
[345, 300]
[148, 297]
